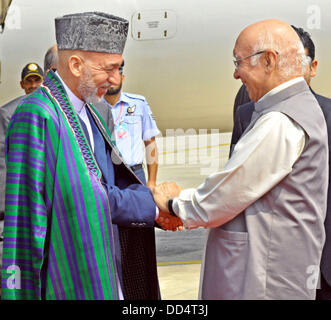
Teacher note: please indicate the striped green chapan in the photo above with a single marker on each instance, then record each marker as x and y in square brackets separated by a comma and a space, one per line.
[58, 232]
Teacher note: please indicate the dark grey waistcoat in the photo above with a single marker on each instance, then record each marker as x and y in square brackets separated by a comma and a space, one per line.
[273, 249]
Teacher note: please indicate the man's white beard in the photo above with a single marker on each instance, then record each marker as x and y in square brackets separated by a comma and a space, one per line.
[87, 88]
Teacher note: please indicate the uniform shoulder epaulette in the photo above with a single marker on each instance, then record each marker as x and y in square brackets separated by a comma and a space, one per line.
[134, 96]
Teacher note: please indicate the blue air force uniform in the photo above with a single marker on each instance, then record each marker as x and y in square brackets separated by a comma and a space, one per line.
[133, 124]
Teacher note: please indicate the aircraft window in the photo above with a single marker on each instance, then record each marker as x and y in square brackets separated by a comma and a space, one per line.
[4, 5]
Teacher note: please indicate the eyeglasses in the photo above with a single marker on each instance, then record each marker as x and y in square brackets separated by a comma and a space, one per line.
[237, 62]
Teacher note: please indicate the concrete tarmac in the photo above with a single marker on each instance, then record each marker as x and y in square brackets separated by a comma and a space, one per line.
[188, 160]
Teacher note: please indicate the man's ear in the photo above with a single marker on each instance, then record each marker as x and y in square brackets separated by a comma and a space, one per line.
[270, 60]
[313, 68]
[75, 64]
[22, 85]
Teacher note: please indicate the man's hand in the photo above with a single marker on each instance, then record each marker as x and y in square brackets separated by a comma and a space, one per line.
[163, 192]
[168, 222]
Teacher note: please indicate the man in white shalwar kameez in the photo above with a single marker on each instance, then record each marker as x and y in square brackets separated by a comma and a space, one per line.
[266, 208]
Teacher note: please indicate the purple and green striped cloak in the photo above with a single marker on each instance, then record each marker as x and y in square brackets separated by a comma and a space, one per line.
[58, 230]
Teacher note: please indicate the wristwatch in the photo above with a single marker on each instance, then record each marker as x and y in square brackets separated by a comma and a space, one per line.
[171, 210]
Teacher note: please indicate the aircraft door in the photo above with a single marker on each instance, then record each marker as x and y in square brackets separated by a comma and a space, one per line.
[4, 6]
[154, 24]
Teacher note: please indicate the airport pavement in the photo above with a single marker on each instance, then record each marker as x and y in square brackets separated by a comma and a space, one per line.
[188, 160]
[179, 256]
[179, 281]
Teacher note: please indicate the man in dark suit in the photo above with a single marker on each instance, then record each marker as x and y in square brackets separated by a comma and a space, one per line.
[241, 98]
[243, 115]
[137, 244]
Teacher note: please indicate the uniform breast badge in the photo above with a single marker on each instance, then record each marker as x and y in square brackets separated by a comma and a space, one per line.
[131, 110]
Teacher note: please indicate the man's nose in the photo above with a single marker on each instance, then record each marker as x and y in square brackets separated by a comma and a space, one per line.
[236, 74]
[115, 78]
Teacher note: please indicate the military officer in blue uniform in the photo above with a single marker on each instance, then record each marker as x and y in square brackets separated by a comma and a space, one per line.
[133, 127]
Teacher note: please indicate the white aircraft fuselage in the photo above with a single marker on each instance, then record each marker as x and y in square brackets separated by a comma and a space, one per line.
[178, 53]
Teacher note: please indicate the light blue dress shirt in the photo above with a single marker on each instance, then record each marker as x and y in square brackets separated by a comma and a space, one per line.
[133, 124]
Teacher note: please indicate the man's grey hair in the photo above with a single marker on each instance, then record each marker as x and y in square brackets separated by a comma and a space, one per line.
[51, 58]
[291, 55]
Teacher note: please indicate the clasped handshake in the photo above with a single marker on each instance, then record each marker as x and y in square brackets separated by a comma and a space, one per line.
[162, 193]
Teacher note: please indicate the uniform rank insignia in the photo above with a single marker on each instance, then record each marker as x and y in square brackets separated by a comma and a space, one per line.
[131, 110]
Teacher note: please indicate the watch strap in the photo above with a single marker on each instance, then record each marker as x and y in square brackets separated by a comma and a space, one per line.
[170, 208]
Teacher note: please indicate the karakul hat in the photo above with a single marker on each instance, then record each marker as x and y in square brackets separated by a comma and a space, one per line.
[91, 31]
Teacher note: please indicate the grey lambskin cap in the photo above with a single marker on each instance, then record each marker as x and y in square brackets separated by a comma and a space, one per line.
[91, 31]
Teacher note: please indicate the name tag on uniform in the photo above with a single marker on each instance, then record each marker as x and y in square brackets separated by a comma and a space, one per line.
[121, 130]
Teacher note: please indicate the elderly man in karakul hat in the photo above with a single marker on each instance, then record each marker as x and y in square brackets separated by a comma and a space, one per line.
[78, 223]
